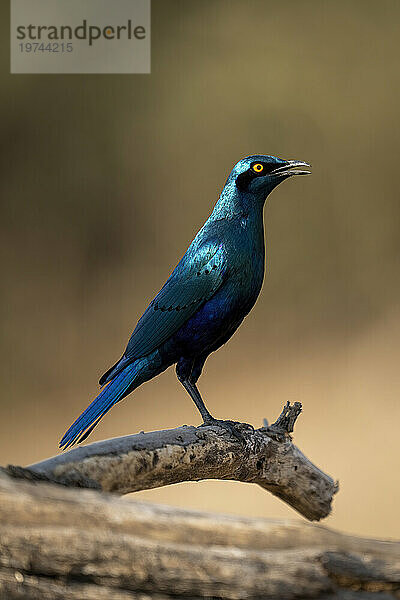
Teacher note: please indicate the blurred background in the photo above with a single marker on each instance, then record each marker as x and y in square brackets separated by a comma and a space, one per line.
[106, 178]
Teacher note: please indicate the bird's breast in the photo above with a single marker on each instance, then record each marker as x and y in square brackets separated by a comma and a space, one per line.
[248, 263]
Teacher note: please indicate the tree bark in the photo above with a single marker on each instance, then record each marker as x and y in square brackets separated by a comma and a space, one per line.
[60, 543]
[266, 456]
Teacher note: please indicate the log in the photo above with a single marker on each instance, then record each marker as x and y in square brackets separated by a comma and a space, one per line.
[63, 543]
[266, 457]
[59, 540]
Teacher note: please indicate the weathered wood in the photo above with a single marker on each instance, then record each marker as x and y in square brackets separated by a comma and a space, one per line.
[65, 543]
[15, 585]
[57, 542]
[267, 457]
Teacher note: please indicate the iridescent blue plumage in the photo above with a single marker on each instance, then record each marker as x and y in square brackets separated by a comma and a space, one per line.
[206, 297]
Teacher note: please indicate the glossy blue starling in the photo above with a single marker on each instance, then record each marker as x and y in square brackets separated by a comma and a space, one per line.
[204, 300]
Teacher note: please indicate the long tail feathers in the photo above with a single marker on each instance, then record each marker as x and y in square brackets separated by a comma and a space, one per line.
[109, 395]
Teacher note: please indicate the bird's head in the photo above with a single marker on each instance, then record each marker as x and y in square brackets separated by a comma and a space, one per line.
[250, 182]
[258, 175]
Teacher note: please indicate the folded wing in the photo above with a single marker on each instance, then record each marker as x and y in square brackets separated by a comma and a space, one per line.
[192, 283]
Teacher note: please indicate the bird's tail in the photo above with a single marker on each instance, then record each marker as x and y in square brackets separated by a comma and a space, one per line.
[112, 393]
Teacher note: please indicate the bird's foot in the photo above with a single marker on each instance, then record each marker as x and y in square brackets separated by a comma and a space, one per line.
[235, 428]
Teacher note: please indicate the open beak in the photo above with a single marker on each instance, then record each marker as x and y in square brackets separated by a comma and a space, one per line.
[291, 168]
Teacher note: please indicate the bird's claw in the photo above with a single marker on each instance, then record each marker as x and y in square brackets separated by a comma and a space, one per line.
[229, 426]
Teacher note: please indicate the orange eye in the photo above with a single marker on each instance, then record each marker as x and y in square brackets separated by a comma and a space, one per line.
[257, 168]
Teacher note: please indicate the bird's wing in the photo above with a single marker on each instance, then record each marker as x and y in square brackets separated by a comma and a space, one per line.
[193, 282]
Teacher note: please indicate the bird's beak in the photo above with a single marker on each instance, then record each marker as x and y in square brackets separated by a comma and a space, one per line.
[291, 168]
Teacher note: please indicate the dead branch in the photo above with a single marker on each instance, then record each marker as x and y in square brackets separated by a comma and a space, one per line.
[267, 457]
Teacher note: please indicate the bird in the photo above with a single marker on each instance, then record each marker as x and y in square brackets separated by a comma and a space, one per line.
[204, 300]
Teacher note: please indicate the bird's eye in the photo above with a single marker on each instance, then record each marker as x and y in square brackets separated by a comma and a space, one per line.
[258, 167]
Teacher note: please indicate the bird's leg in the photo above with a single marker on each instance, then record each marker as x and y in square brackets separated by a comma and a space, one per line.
[184, 375]
[194, 393]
